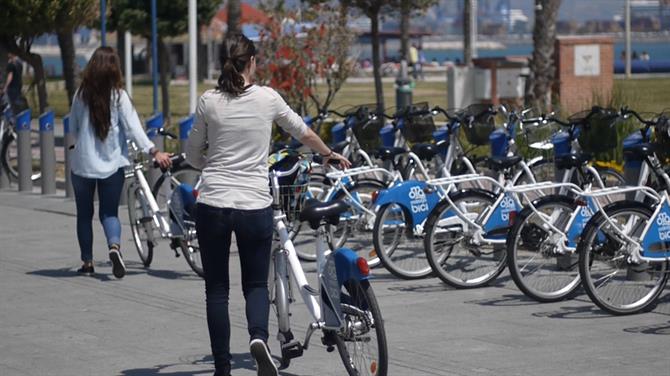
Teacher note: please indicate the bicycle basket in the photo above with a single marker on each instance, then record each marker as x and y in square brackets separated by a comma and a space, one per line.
[600, 133]
[478, 124]
[292, 188]
[364, 127]
[419, 128]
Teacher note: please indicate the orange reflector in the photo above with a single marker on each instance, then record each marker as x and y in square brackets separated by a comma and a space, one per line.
[363, 266]
[373, 368]
[373, 253]
[196, 193]
[375, 194]
[581, 202]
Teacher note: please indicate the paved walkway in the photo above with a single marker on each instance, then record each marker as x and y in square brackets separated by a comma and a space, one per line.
[152, 322]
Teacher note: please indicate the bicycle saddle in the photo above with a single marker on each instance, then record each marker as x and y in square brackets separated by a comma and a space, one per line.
[571, 160]
[314, 211]
[639, 151]
[389, 153]
[502, 163]
[425, 151]
[339, 147]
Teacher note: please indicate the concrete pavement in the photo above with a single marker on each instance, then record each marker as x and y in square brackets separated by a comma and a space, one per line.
[152, 322]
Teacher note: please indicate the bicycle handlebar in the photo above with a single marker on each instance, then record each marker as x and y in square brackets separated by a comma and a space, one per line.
[176, 160]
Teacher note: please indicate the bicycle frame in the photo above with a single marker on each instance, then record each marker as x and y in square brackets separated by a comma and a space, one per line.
[333, 269]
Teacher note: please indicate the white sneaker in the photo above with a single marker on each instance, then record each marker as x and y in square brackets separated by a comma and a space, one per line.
[261, 354]
[118, 267]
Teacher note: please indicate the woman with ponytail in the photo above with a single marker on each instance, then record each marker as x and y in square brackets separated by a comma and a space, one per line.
[230, 141]
[101, 119]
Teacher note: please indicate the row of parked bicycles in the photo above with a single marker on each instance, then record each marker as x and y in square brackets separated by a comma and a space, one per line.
[557, 221]
[422, 201]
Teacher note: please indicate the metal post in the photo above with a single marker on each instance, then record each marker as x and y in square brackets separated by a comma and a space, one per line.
[628, 42]
[103, 22]
[154, 54]
[24, 151]
[128, 47]
[47, 153]
[473, 28]
[185, 126]
[154, 123]
[192, 56]
[68, 143]
[403, 88]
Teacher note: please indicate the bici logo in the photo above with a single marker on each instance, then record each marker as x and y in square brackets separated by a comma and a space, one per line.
[507, 206]
[418, 200]
[663, 222]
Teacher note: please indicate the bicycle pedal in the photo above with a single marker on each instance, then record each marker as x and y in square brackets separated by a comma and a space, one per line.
[292, 350]
[146, 220]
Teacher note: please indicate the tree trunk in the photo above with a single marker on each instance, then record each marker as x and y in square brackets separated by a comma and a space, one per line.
[467, 29]
[405, 10]
[202, 56]
[376, 63]
[234, 15]
[164, 70]
[542, 70]
[67, 55]
[121, 47]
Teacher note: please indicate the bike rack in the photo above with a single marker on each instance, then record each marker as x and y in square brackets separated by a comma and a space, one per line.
[24, 151]
[47, 153]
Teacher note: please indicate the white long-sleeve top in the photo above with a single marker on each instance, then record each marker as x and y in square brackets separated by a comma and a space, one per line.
[98, 159]
[230, 141]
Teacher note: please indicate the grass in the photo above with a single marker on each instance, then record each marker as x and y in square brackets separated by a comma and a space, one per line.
[644, 95]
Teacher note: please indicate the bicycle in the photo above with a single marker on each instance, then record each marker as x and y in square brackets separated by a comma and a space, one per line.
[624, 251]
[541, 244]
[170, 218]
[343, 306]
[9, 157]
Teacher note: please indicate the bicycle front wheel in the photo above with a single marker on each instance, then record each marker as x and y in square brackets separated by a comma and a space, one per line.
[537, 267]
[450, 249]
[190, 248]
[10, 156]
[141, 224]
[612, 281]
[398, 247]
[362, 341]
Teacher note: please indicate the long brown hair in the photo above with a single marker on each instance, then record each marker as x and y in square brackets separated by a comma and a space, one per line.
[101, 77]
[235, 55]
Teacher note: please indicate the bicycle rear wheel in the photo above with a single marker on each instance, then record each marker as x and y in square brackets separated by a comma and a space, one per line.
[398, 247]
[10, 156]
[452, 255]
[611, 280]
[141, 224]
[362, 341]
[536, 266]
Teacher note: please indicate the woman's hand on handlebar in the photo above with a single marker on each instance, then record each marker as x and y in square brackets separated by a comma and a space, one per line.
[163, 159]
[336, 158]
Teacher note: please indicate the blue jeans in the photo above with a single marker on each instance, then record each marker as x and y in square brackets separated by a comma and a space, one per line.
[253, 231]
[109, 194]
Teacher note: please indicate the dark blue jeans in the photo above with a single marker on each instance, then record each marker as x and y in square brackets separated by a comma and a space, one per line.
[109, 194]
[253, 231]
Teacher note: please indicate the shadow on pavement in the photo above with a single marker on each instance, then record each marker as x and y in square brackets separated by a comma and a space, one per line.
[104, 272]
[659, 329]
[239, 361]
[509, 300]
[590, 311]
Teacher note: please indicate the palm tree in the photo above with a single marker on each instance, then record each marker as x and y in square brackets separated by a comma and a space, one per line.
[234, 15]
[467, 29]
[542, 69]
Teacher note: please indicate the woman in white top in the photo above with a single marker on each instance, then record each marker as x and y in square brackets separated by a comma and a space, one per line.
[102, 118]
[230, 141]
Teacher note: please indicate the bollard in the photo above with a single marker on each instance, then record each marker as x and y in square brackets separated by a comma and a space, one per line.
[47, 153]
[24, 151]
[185, 126]
[403, 88]
[68, 142]
[154, 123]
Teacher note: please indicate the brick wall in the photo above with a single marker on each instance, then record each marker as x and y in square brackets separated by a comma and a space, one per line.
[578, 84]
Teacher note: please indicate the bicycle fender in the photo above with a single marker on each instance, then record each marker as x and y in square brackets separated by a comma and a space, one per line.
[414, 196]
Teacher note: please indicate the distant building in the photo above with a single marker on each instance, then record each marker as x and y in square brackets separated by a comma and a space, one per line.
[650, 15]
